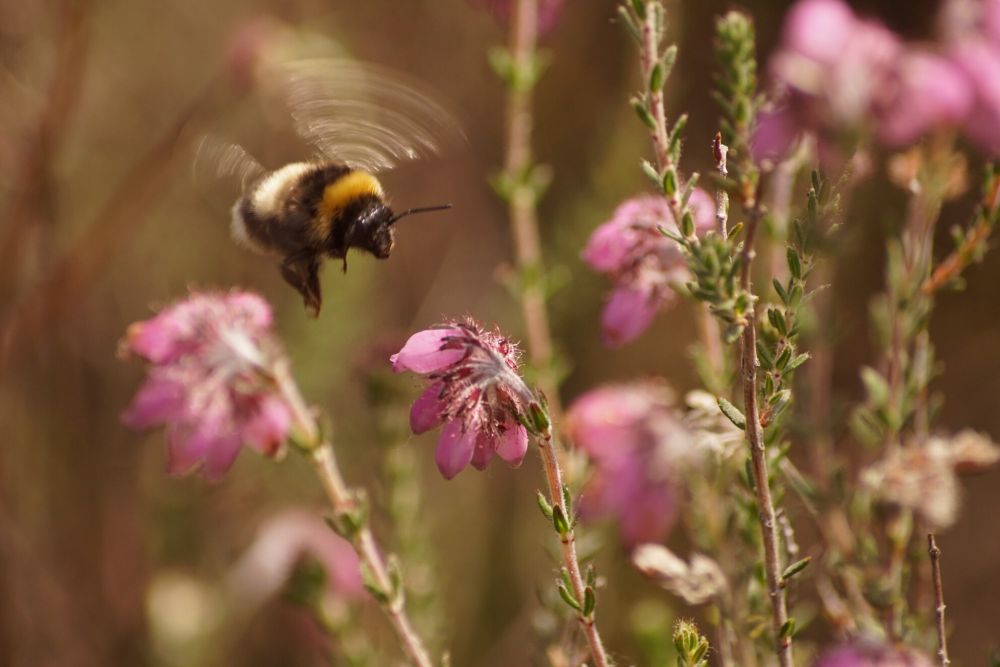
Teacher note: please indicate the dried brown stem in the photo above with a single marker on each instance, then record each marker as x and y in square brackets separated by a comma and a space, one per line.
[553, 477]
[939, 606]
[758, 456]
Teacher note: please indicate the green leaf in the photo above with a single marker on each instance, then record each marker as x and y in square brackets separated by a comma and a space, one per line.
[656, 78]
[559, 521]
[875, 385]
[670, 182]
[568, 598]
[732, 413]
[796, 362]
[787, 629]
[651, 173]
[589, 601]
[796, 567]
[544, 505]
[794, 263]
[643, 113]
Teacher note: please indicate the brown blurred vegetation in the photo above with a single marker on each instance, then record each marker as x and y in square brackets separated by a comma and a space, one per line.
[99, 220]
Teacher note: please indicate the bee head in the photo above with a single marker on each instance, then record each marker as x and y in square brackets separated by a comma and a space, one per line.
[373, 230]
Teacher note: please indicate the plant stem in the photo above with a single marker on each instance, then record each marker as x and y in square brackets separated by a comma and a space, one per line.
[523, 201]
[758, 455]
[935, 553]
[649, 56]
[344, 500]
[553, 476]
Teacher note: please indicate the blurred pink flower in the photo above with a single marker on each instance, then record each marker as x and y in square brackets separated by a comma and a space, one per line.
[209, 357]
[633, 436]
[548, 12]
[839, 74]
[281, 543]
[927, 91]
[872, 654]
[475, 391]
[641, 261]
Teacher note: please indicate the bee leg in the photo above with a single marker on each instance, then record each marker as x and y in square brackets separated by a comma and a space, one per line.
[302, 273]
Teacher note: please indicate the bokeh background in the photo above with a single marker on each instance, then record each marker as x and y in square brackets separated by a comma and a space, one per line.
[100, 220]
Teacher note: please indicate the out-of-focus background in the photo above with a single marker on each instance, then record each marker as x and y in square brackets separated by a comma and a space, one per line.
[104, 560]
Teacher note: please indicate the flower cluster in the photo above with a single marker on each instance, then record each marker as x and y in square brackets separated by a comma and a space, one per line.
[838, 71]
[475, 391]
[641, 261]
[635, 440]
[209, 380]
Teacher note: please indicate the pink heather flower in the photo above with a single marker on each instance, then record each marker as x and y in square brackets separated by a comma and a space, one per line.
[208, 357]
[979, 60]
[641, 261]
[548, 12]
[634, 438]
[474, 390]
[872, 654]
[840, 74]
[282, 542]
[927, 91]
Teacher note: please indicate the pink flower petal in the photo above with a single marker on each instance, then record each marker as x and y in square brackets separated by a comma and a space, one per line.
[221, 455]
[186, 446]
[608, 246]
[483, 453]
[774, 134]
[627, 314]
[455, 449]
[426, 411]
[423, 354]
[703, 210]
[252, 307]
[268, 428]
[157, 401]
[819, 29]
[931, 92]
[513, 445]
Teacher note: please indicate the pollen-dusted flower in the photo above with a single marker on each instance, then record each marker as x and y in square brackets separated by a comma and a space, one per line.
[475, 391]
[209, 359]
[641, 261]
[870, 653]
[634, 438]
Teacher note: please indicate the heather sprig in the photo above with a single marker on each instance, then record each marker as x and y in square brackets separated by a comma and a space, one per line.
[219, 378]
[719, 263]
[476, 393]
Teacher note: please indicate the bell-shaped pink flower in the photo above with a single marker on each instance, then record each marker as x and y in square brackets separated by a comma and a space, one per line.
[475, 393]
[872, 654]
[634, 438]
[210, 357]
[641, 261]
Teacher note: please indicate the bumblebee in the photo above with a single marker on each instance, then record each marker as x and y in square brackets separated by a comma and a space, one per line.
[306, 212]
[360, 119]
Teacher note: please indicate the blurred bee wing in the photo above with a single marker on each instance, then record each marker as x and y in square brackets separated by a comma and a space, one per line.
[364, 115]
[215, 159]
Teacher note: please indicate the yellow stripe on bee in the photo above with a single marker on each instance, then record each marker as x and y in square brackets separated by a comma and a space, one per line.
[345, 190]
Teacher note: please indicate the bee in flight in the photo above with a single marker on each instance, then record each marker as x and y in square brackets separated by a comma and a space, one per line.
[361, 119]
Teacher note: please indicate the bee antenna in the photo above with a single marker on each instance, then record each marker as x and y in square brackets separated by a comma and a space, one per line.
[422, 209]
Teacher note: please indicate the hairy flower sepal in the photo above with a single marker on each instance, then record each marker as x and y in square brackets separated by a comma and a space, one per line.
[475, 394]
